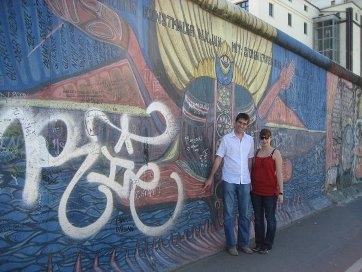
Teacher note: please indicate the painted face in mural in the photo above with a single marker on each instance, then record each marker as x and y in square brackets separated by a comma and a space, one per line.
[224, 64]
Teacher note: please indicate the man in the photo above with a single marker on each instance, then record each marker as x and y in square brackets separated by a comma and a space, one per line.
[237, 150]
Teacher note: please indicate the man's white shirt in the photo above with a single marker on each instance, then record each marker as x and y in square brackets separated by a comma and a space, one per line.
[236, 154]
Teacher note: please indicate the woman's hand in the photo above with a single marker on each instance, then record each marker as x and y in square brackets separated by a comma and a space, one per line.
[280, 199]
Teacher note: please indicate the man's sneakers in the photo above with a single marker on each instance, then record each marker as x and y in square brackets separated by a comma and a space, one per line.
[246, 250]
[233, 251]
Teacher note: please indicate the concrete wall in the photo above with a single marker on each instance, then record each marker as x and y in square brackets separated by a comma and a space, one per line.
[110, 114]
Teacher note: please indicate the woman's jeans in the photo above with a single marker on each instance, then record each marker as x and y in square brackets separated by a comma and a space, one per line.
[236, 195]
[264, 207]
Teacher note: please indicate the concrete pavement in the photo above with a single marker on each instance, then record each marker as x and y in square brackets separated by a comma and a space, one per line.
[327, 241]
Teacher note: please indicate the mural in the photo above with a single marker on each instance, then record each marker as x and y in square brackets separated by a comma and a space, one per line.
[343, 158]
[110, 115]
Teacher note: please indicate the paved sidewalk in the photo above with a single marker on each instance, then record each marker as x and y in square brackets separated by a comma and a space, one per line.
[328, 241]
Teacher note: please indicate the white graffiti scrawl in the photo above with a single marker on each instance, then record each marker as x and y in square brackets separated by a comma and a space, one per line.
[38, 157]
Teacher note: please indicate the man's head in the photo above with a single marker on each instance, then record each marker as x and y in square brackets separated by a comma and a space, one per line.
[241, 123]
[242, 115]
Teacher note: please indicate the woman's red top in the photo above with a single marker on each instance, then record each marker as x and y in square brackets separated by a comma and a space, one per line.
[263, 176]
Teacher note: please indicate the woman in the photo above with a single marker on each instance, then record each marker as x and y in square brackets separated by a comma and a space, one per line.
[267, 191]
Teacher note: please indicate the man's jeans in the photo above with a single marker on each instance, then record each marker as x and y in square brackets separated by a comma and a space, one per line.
[264, 206]
[236, 195]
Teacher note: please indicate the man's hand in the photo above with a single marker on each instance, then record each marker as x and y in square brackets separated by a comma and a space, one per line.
[208, 183]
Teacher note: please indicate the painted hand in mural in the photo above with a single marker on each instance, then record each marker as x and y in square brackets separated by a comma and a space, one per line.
[94, 18]
[284, 81]
[286, 75]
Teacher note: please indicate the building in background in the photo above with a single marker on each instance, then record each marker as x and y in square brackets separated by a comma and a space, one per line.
[332, 28]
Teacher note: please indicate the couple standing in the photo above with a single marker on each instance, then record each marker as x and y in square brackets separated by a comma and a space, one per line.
[246, 177]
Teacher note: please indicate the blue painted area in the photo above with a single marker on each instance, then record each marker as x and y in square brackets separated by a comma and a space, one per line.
[30, 232]
[306, 96]
[302, 50]
[53, 49]
[308, 174]
[132, 12]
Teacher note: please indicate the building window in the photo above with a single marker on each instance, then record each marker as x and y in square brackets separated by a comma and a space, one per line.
[289, 19]
[305, 8]
[271, 10]
[327, 37]
[305, 29]
[244, 5]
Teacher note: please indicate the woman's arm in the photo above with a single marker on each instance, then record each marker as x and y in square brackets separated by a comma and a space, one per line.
[279, 173]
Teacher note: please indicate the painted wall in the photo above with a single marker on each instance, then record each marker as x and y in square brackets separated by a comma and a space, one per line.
[110, 114]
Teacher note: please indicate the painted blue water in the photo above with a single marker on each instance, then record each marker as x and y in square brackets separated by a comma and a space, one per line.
[30, 234]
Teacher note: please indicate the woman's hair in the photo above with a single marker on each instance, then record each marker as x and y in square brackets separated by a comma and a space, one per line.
[265, 133]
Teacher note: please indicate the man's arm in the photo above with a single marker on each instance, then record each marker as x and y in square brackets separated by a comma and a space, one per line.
[214, 168]
[250, 164]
